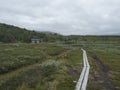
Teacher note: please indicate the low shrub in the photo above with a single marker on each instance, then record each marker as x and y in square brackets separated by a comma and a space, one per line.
[49, 67]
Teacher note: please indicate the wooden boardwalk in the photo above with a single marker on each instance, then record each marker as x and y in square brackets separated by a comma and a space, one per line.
[82, 82]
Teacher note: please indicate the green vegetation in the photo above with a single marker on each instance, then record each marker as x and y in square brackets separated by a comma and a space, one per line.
[111, 59]
[106, 67]
[13, 34]
[37, 67]
[56, 63]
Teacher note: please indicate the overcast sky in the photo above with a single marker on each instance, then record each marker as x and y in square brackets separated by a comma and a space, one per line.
[81, 17]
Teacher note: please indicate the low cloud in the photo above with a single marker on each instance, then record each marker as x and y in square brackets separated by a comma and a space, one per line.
[80, 17]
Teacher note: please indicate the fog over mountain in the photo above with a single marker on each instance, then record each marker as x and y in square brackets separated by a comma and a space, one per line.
[79, 17]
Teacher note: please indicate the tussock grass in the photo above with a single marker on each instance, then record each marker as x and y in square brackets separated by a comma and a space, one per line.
[44, 66]
[109, 54]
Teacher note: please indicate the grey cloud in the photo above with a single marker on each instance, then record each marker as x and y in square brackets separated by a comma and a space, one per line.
[63, 16]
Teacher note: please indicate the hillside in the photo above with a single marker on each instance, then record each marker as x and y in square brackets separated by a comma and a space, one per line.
[14, 34]
[11, 34]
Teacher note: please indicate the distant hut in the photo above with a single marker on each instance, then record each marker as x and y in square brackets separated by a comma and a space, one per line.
[67, 40]
[36, 40]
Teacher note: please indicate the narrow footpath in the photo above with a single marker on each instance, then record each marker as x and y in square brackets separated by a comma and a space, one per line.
[82, 82]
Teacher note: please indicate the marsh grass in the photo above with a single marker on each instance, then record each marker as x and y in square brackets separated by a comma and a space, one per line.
[109, 54]
[38, 66]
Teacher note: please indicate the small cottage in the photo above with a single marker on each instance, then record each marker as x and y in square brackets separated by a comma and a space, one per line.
[36, 40]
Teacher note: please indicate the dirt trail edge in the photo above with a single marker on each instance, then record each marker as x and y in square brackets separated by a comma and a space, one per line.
[103, 71]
